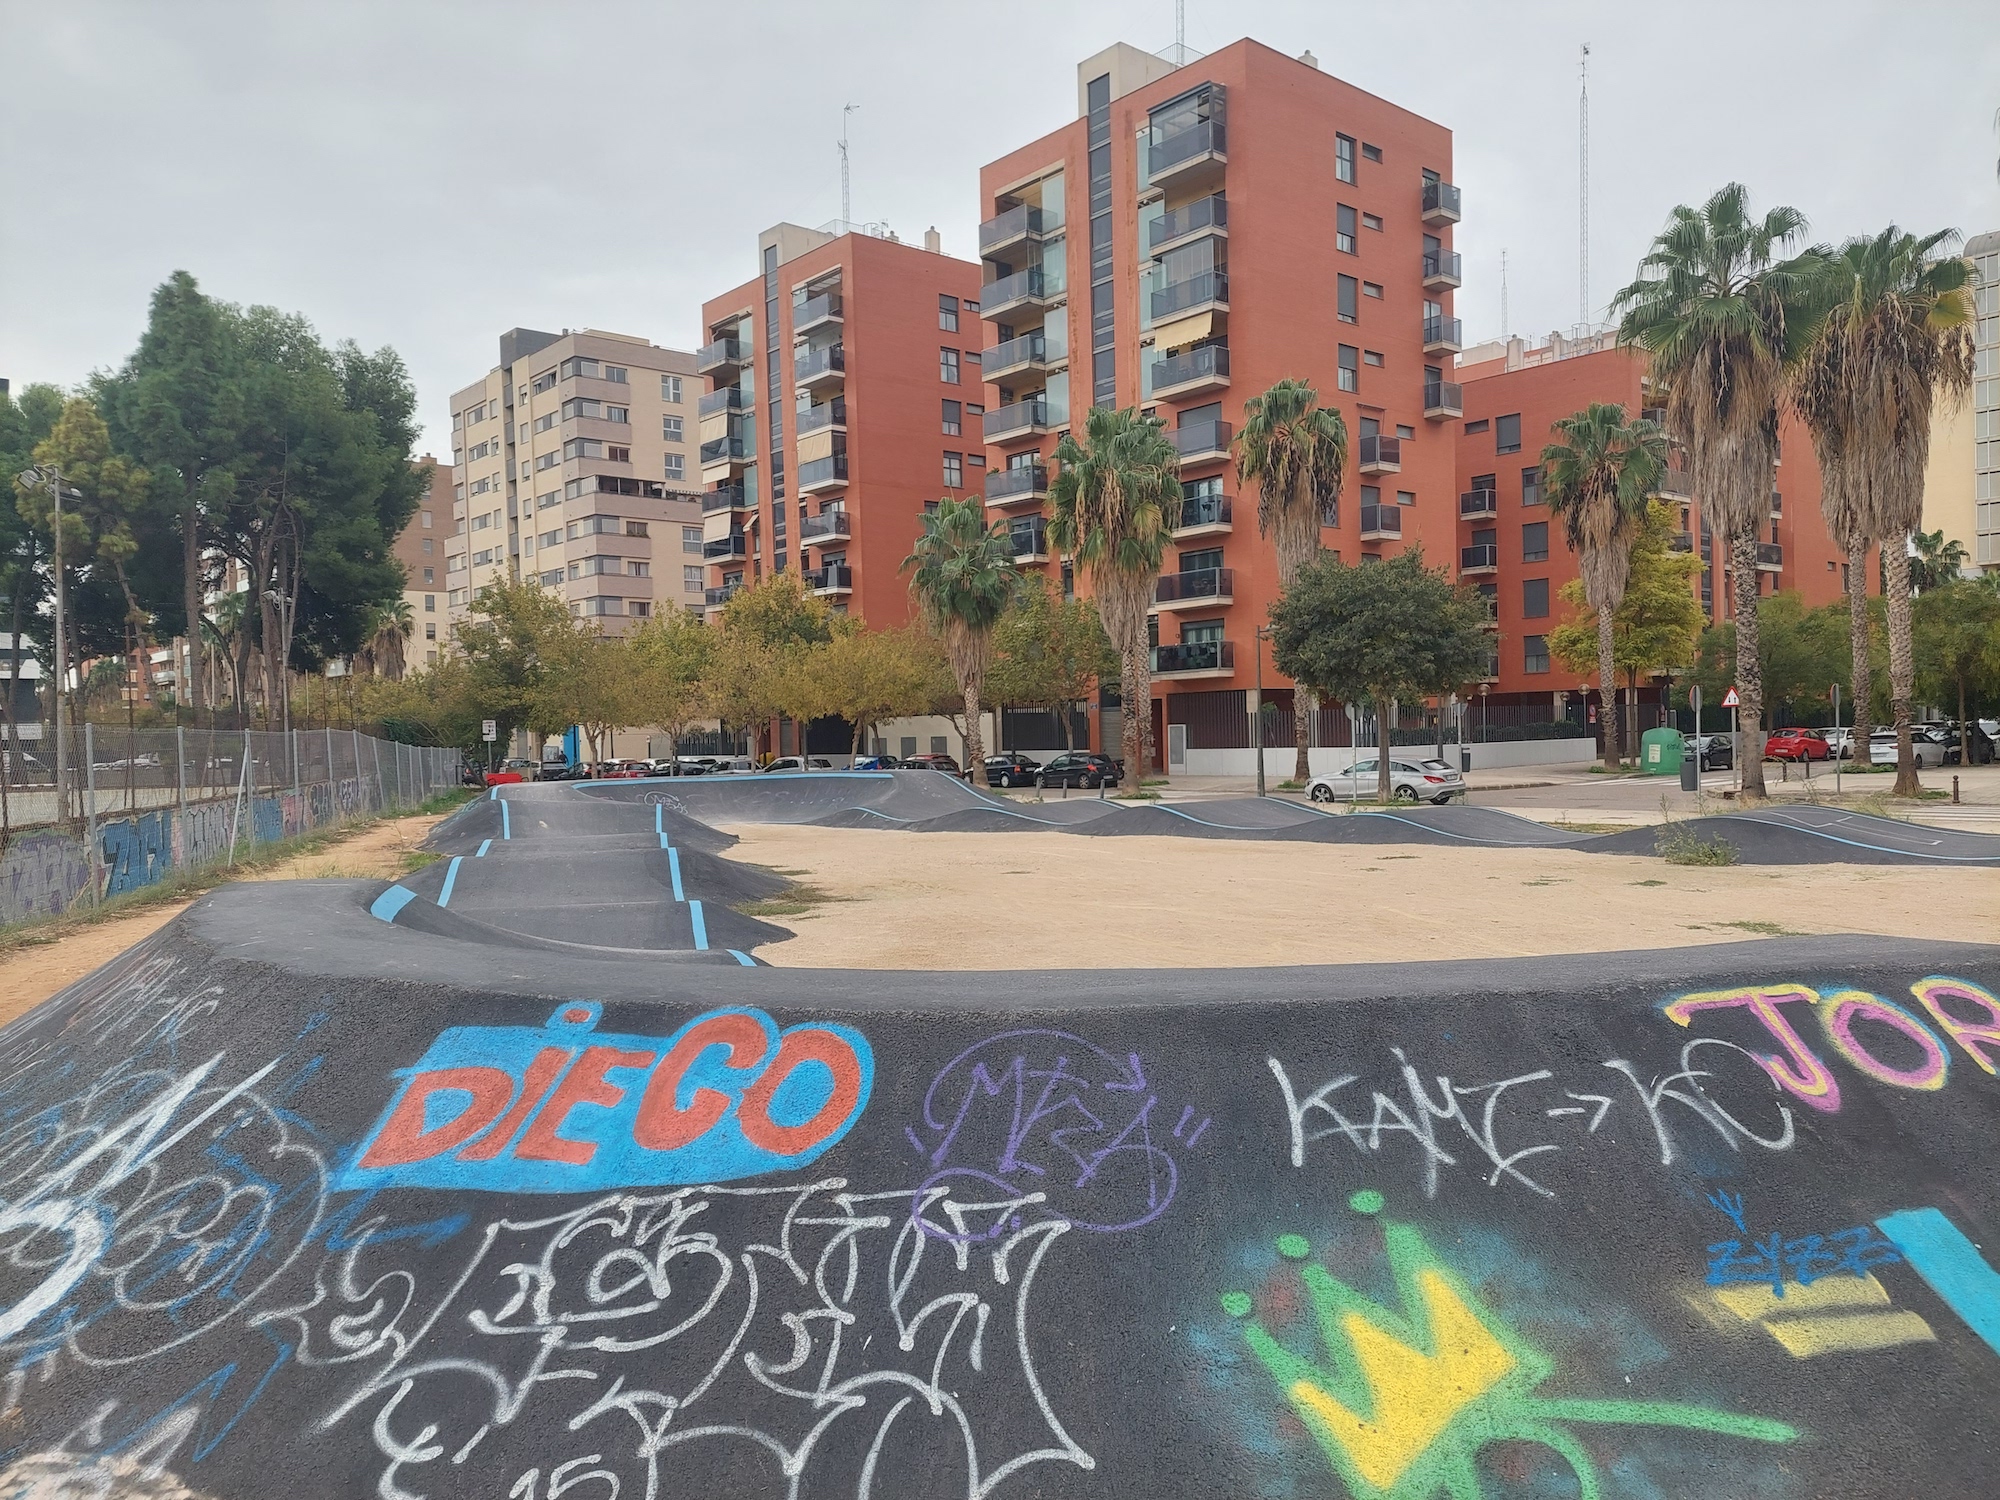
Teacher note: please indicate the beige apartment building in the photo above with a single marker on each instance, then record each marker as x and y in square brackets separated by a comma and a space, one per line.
[573, 462]
[1962, 481]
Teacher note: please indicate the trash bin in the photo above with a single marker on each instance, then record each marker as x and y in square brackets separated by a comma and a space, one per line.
[1660, 752]
[1465, 757]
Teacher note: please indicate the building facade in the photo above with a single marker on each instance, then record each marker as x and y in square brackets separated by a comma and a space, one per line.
[420, 548]
[844, 396]
[1962, 481]
[573, 462]
[1197, 234]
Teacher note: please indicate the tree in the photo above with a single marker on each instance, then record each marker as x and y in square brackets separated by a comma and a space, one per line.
[514, 634]
[868, 675]
[1723, 323]
[1896, 334]
[963, 578]
[388, 633]
[670, 655]
[1935, 561]
[1115, 501]
[1390, 630]
[587, 680]
[1049, 652]
[1801, 653]
[1956, 637]
[765, 627]
[1295, 451]
[1599, 478]
[24, 424]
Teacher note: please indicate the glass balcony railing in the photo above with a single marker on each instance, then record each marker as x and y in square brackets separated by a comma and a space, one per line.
[1210, 362]
[724, 548]
[824, 309]
[1211, 212]
[724, 497]
[1444, 396]
[1204, 583]
[1477, 503]
[1022, 286]
[1025, 481]
[1028, 349]
[1474, 559]
[829, 470]
[827, 526]
[1441, 201]
[813, 363]
[1381, 521]
[834, 578]
[1030, 538]
[1185, 145]
[729, 398]
[1201, 439]
[1677, 482]
[1203, 510]
[1439, 331]
[1021, 222]
[714, 597]
[1378, 452]
[1681, 541]
[1444, 266]
[1770, 555]
[722, 449]
[1196, 291]
[721, 353]
[1022, 416]
[1194, 656]
[827, 414]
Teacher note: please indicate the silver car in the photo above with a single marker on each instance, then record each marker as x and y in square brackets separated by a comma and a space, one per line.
[1927, 751]
[1409, 781]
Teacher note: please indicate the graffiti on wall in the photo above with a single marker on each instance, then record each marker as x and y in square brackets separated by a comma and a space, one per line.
[563, 1109]
[41, 875]
[137, 852]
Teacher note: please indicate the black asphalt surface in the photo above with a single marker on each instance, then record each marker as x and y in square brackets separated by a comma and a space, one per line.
[524, 1193]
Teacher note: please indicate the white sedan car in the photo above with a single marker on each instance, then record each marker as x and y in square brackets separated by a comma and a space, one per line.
[1927, 751]
[1409, 781]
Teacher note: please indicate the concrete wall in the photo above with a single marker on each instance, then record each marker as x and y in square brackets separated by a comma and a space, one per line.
[1325, 760]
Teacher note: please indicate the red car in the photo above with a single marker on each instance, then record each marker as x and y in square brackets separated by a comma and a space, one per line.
[504, 778]
[1797, 744]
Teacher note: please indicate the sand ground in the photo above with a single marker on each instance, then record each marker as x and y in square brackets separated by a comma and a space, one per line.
[1054, 900]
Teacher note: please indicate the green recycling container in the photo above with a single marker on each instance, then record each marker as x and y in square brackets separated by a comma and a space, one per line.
[1660, 752]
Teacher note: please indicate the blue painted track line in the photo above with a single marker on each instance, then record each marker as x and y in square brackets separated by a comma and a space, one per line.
[743, 958]
[450, 880]
[506, 819]
[493, 794]
[484, 845]
[1232, 827]
[674, 869]
[390, 902]
[660, 822]
[700, 926]
[1833, 838]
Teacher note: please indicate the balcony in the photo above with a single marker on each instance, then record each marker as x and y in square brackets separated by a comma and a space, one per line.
[1206, 292]
[725, 497]
[1192, 372]
[1443, 336]
[1187, 158]
[825, 528]
[1195, 659]
[1201, 442]
[828, 414]
[1481, 559]
[1205, 515]
[1440, 203]
[1028, 484]
[1442, 271]
[1657, 415]
[1677, 484]
[1381, 455]
[721, 359]
[1010, 423]
[1777, 505]
[828, 473]
[1478, 505]
[724, 457]
[1023, 224]
[728, 398]
[725, 549]
[1195, 590]
[1681, 541]
[1770, 557]
[816, 369]
[1023, 292]
[1028, 354]
[1030, 540]
[716, 598]
[1381, 523]
[1443, 400]
[1208, 215]
[834, 578]
[817, 312]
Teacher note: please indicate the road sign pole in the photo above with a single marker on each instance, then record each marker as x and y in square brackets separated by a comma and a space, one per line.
[1836, 739]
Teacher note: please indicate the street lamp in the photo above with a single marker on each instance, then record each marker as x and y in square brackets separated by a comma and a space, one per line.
[1257, 718]
[33, 477]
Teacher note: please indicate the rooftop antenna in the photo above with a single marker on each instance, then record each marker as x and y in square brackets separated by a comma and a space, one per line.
[1180, 32]
[1506, 324]
[1583, 190]
[846, 213]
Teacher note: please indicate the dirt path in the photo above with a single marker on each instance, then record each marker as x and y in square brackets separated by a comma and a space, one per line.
[29, 975]
[1053, 900]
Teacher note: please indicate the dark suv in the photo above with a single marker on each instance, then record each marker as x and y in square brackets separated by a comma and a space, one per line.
[1011, 769]
[944, 763]
[1079, 768]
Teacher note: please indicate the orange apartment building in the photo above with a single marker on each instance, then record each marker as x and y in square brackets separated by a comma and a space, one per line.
[1515, 554]
[1197, 234]
[844, 396]
[419, 547]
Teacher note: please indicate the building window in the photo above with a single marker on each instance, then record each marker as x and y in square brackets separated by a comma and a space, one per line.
[1471, 428]
[546, 381]
[639, 607]
[1372, 289]
[1343, 229]
[676, 466]
[430, 626]
[953, 413]
[1534, 598]
[1372, 153]
[430, 604]
[691, 540]
[1372, 221]
[1406, 497]
[481, 521]
[427, 546]
[670, 389]
[619, 414]
[551, 578]
[615, 374]
[1534, 653]
[1531, 486]
[1507, 434]
[1347, 298]
[954, 471]
[1535, 542]
[1343, 157]
[691, 578]
[430, 575]
[1406, 432]
[1374, 357]
[427, 520]
[637, 569]
[673, 429]
[948, 366]
[948, 313]
[1350, 368]
[618, 455]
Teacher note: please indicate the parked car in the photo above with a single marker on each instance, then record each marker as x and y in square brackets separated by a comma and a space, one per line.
[1079, 768]
[501, 776]
[944, 763]
[1011, 769]
[1796, 744]
[876, 763]
[1717, 752]
[1928, 751]
[1954, 748]
[1839, 743]
[797, 763]
[562, 770]
[529, 769]
[1409, 781]
[732, 765]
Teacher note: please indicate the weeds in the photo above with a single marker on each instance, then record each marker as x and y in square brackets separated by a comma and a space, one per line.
[796, 900]
[1679, 844]
[1567, 826]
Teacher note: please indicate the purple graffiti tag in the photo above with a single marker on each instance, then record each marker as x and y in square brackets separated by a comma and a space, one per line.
[1062, 1129]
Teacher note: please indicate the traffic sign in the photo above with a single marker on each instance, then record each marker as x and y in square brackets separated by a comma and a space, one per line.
[489, 730]
[1729, 699]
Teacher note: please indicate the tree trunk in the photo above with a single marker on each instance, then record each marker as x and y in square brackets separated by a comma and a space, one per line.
[1964, 728]
[1304, 706]
[975, 742]
[1607, 689]
[1384, 790]
[1857, 630]
[1749, 673]
[191, 598]
[1135, 721]
[1902, 663]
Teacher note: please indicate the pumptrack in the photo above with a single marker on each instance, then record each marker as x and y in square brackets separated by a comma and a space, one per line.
[523, 1177]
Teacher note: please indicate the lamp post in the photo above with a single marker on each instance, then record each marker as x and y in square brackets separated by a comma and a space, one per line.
[39, 475]
[1257, 718]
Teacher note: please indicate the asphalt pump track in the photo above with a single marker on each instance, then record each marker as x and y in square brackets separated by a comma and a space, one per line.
[521, 1177]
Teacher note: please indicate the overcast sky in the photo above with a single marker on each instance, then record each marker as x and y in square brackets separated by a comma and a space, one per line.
[428, 173]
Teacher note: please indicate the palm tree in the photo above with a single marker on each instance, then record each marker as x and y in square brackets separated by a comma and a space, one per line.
[962, 574]
[1116, 499]
[1897, 333]
[1724, 322]
[390, 628]
[1935, 560]
[1295, 451]
[1599, 479]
